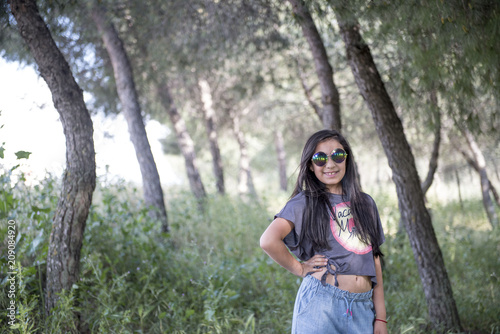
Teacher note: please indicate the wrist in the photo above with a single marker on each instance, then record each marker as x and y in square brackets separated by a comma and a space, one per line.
[300, 271]
[303, 271]
[381, 320]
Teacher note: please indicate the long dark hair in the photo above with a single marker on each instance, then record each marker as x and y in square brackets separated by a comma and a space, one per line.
[315, 226]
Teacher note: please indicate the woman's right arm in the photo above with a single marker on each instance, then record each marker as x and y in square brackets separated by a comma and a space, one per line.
[272, 243]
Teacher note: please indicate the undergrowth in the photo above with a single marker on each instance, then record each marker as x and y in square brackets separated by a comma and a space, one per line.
[209, 275]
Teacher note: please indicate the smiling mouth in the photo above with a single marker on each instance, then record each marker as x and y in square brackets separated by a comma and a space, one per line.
[330, 173]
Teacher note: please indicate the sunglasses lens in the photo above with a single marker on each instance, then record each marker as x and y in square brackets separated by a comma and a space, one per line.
[320, 159]
[339, 155]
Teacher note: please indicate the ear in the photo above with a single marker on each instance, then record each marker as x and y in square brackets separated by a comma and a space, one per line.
[311, 168]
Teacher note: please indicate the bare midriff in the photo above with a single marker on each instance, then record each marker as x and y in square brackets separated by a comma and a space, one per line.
[351, 283]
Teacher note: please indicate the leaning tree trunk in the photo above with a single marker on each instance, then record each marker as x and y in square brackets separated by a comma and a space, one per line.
[433, 162]
[125, 86]
[474, 164]
[186, 144]
[280, 152]
[307, 91]
[329, 93]
[209, 115]
[437, 288]
[479, 164]
[245, 180]
[63, 258]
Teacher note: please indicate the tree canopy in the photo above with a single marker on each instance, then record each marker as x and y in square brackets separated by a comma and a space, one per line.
[242, 84]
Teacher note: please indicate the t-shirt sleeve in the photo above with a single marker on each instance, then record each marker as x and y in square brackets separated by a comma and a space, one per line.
[294, 211]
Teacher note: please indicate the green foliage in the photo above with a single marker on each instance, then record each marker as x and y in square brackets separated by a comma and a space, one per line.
[63, 317]
[27, 318]
[209, 274]
[22, 155]
[447, 47]
[31, 210]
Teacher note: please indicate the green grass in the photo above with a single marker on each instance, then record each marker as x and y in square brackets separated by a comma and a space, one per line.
[209, 274]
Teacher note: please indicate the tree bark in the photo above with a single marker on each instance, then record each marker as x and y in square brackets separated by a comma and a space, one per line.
[473, 163]
[280, 152]
[479, 164]
[475, 166]
[245, 180]
[63, 258]
[494, 192]
[433, 162]
[329, 93]
[125, 85]
[209, 115]
[307, 92]
[184, 139]
[437, 288]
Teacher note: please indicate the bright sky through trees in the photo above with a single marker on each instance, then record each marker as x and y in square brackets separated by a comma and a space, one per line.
[31, 123]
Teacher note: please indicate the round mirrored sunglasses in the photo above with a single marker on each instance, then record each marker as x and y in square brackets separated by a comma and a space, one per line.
[338, 156]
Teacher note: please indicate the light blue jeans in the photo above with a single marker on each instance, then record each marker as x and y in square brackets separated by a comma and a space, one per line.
[327, 309]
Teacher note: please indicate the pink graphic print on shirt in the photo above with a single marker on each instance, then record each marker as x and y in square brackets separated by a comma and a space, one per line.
[344, 231]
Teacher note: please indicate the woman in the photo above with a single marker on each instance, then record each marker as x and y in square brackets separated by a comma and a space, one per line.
[334, 230]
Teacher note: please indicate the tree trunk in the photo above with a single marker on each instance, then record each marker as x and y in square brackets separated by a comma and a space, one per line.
[209, 115]
[125, 85]
[280, 151]
[474, 164]
[495, 193]
[63, 258]
[307, 92]
[441, 304]
[184, 139]
[433, 162]
[329, 93]
[245, 180]
[479, 165]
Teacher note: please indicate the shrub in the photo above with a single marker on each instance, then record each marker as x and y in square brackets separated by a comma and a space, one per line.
[209, 275]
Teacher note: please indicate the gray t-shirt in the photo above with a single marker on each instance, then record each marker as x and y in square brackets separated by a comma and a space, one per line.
[347, 253]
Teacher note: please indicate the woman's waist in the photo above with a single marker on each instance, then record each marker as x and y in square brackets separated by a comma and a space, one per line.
[351, 283]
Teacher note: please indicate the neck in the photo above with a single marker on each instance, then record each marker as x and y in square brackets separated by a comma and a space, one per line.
[335, 190]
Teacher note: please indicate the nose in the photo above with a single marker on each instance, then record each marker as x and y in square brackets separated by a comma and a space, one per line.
[330, 162]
